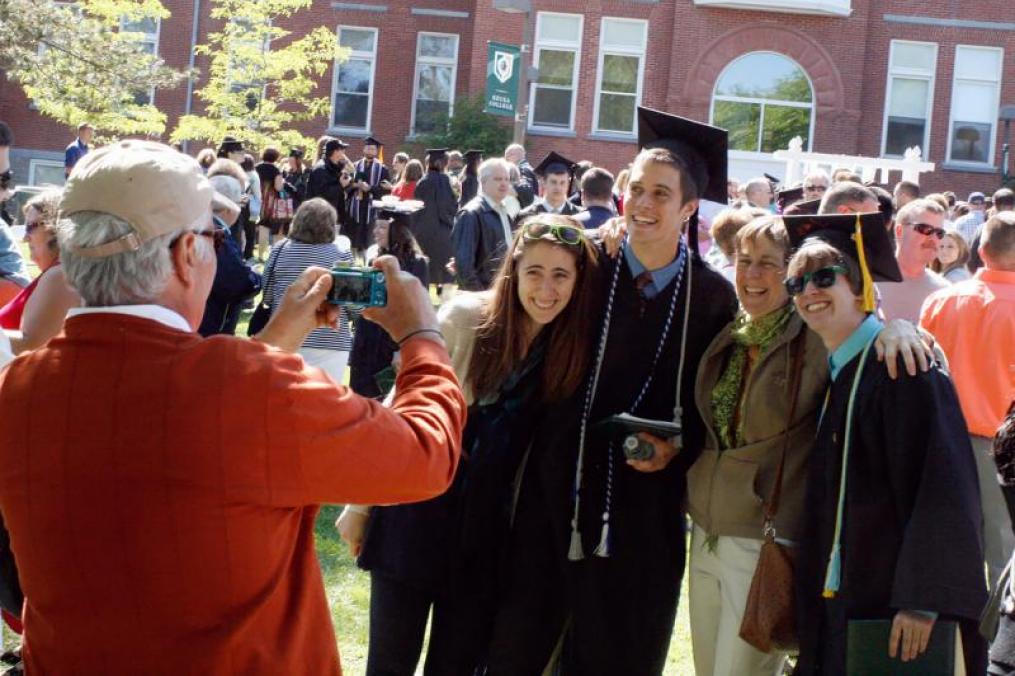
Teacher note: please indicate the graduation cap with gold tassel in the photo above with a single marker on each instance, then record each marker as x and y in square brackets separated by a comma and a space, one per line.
[862, 237]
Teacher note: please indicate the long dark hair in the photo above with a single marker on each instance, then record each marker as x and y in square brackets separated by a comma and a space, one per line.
[402, 244]
[500, 340]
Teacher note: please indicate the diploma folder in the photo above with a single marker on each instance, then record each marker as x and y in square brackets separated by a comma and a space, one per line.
[867, 651]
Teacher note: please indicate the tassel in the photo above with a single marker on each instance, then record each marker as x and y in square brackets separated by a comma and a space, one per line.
[868, 281]
[575, 551]
[603, 550]
[834, 573]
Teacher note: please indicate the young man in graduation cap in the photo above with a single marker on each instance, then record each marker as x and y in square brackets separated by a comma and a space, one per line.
[893, 514]
[598, 539]
[554, 173]
[370, 181]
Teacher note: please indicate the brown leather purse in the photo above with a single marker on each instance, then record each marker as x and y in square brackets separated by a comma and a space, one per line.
[770, 616]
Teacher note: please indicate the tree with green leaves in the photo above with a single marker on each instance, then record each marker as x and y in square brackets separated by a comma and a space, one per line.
[87, 61]
[469, 128]
[258, 83]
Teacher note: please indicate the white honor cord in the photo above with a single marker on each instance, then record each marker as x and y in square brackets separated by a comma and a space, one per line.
[678, 410]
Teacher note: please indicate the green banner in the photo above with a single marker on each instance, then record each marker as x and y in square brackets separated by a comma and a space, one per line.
[503, 70]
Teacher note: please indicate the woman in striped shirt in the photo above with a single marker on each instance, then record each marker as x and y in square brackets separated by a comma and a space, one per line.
[312, 242]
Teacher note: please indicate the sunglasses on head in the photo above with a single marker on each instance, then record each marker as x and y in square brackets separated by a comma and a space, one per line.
[928, 230]
[216, 235]
[823, 279]
[565, 234]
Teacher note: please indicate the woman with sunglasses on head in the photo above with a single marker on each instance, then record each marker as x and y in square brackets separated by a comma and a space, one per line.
[758, 390]
[520, 345]
[891, 514]
[38, 311]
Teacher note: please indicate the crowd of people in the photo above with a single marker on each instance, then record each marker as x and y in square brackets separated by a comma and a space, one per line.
[802, 396]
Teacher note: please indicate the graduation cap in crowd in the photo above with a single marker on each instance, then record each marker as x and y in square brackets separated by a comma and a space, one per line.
[555, 163]
[333, 144]
[771, 179]
[436, 154]
[473, 155]
[701, 146]
[862, 237]
[789, 196]
[401, 211]
[372, 141]
[802, 208]
[296, 152]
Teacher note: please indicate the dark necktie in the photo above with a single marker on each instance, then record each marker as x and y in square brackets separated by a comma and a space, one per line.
[640, 282]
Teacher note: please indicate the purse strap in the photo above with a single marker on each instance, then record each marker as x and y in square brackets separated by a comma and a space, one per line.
[270, 274]
[796, 369]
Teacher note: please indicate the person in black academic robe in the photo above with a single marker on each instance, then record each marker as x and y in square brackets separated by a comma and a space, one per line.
[555, 173]
[371, 180]
[330, 178]
[470, 177]
[435, 221]
[904, 546]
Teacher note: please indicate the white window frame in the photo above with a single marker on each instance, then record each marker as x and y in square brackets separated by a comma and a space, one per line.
[909, 74]
[813, 105]
[35, 163]
[265, 49]
[619, 51]
[561, 46]
[432, 61]
[373, 77]
[153, 39]
[992, 148]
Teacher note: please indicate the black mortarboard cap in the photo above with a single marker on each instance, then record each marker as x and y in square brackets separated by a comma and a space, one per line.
[296, 152]
[845, 232]
[801, 208]
[472, 154]
[555, 163]
[435, 154]
[771, 179]
[371, 141]
[784, 198]
[702, 146]
[399, 212]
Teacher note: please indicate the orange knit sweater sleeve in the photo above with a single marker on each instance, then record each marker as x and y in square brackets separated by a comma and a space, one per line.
[339, 447]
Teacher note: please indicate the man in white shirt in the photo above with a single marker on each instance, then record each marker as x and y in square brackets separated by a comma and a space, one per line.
[919, 226]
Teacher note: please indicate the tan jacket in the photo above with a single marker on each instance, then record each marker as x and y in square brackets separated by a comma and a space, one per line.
[726, 488]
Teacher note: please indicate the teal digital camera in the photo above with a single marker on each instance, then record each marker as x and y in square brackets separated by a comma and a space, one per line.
[364, 287]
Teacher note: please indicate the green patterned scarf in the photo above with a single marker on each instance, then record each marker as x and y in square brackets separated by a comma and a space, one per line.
[726, 396]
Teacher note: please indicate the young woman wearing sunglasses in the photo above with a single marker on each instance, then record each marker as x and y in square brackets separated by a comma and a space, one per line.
[892, 515]
[516, 347]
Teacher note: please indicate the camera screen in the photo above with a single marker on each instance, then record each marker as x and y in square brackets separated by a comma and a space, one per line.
[350, 289]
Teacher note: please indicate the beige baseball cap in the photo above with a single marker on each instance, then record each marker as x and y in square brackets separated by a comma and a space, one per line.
[151, 186]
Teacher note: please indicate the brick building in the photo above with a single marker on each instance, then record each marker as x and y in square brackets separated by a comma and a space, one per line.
[868, 77]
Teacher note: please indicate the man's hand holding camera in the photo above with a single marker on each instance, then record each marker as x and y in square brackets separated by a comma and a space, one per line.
[409, 310]
[664, 453]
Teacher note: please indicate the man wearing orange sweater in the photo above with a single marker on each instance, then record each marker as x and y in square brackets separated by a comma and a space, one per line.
[155, 528]
[974, 322]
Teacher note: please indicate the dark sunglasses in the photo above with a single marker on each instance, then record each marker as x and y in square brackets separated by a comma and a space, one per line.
[217, 236]
[32, 227]
[928, 230]
[565, 234]
[823, 278]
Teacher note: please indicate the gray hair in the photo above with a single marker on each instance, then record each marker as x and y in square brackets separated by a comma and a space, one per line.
[488, 166]
[314, 222]
[130, 278]
[818, 175]
[913, 209]
[227, 186]
[515, 148]
[845, 193]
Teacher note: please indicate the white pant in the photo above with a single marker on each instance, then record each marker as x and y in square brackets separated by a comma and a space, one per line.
[718, 588]
[998, 539]
[332, 362]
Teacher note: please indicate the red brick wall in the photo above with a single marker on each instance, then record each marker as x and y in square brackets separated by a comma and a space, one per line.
[688, 47]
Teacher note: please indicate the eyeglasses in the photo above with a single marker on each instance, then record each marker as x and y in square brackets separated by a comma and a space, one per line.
[815, 188]
[928, 230]
[565, 234]
[216, 235]
[823, 278]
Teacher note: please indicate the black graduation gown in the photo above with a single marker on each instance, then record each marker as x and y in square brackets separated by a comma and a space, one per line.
[359, 227]
[540, 208]
[470, 188]
[324, 182]
[622, 608]
[434, 222]
[911, 524]
[373, 348]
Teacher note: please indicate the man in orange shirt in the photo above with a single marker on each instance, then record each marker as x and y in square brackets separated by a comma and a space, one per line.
[156, 528]
[974, 322]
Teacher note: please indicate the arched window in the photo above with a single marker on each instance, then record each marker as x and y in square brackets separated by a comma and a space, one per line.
[764, 100]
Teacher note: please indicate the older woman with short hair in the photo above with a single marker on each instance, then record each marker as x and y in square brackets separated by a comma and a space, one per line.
[753, 415]
[312, 242]
[39, 310]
